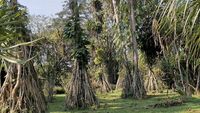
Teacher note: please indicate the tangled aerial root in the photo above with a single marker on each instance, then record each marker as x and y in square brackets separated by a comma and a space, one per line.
[80, 94]
[21, 91]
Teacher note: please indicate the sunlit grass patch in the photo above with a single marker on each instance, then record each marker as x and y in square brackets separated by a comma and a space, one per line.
[113, 103]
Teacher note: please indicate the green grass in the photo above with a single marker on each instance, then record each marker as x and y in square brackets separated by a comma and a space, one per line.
[112, 103]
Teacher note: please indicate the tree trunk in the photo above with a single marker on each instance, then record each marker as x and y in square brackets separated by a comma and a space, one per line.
[21, 90]
[138, 83]
[114, 4]
[80, 94]
[198, 79]
[104, 86]
[128, 80]
[152, 83]
[127, 90]
[187, 85]
[179, 67]
[50, 87]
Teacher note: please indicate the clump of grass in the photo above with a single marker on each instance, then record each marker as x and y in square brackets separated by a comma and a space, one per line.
[168, 103]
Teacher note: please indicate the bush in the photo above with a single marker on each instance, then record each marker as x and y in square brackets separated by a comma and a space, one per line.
[59, 90]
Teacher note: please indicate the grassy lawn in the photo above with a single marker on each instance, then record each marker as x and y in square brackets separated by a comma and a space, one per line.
[112, 103]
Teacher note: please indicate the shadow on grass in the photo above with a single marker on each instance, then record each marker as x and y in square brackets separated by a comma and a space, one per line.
[112, 103]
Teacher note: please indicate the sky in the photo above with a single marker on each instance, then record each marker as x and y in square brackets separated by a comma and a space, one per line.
[43, 7]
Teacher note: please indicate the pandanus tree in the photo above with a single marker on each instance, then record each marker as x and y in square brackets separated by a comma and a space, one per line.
[176, 27]
[122, 41]
[100, 48]
[99, 26]
[80, 94]
[147, 44]
[126, 40]
[21, 90]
